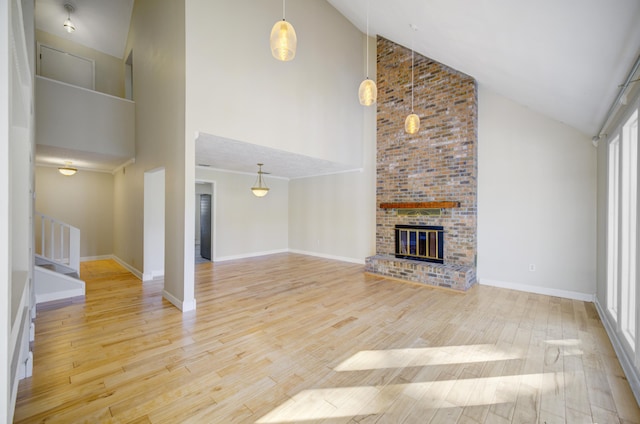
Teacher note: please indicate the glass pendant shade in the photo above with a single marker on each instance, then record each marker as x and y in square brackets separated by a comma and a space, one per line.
[69, 26]
[260, 189]
[67, 171]
[368, 92]
[259, 192]
[283, 41]
[412, 124]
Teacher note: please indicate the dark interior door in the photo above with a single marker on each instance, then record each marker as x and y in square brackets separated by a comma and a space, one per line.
[205, 226]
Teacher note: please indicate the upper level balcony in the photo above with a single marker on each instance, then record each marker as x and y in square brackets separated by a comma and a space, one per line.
[86, 125]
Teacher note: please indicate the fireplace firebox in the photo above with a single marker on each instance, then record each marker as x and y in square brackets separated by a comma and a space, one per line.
[420, 242]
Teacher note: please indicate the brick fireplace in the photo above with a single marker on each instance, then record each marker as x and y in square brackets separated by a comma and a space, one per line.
[434, 169]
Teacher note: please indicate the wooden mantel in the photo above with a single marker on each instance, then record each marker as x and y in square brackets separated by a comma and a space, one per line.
[420, 205]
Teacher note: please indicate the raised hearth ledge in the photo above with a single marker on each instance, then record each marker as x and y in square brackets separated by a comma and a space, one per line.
[420, 205]
[456, 277]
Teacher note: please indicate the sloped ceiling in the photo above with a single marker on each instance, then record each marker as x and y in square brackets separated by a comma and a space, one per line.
[563, 58]
[102, 25]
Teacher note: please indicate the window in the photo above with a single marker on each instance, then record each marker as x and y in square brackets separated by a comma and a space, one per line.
[628, 220]
[612, 227]
[622, 230]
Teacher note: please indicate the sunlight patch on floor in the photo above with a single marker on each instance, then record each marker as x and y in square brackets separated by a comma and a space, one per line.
[419, 357]
[317, 404]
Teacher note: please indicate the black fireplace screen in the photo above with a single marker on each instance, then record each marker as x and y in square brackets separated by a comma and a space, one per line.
[421, 242]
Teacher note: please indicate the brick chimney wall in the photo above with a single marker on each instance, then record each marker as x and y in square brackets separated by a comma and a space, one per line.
[439, 163]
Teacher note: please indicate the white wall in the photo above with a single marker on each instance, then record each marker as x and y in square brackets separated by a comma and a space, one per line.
[98, 123]
[237, 90]
[16, 202]
[154, 222]
[536, 201]
[157, 38]
[6, 404]
[84, 200]
[335, 215]
[245, 225]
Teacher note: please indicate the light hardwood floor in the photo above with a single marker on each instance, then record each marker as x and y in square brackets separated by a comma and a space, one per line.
[289, 338]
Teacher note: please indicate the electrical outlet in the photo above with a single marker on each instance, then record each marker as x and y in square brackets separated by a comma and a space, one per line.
[532, 267]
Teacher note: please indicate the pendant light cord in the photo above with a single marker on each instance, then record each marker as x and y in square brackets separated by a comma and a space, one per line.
[283, 10]
[367, 40]
[412, 79]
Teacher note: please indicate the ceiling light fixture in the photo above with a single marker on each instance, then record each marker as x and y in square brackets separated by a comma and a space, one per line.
[283, 39]
[68, 25]
[412, 123]
[368, 92]
[67, 170]
[260, 189]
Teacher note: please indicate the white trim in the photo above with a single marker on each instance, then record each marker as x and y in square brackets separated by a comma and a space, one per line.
[346, 171]
[567, 294]
[65, 286]
[214, 213]
[229, 171]
[95, 258]
[129, 268]
[326, 256]
[153, 276]
[127, 163]
[300, 252]
[184, 306]
[249, 255]
[79, 168]
[630, 371]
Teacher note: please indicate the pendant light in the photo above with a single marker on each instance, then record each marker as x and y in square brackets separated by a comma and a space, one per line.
[283, 39]
[368, 92]
[260, 189]
[68, 25]
[412, 123]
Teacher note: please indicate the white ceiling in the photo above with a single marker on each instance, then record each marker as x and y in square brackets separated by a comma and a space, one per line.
[100, 24]
[562, 58]
[221, 153]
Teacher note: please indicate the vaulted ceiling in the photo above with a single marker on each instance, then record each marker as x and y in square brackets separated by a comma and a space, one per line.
[563, 58]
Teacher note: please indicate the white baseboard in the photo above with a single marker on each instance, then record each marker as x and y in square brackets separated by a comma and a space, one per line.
[325, 256]
[630, 371]
[153, 276]
[95, 258]
[129, 268]
[184, 306]
[248, 255]
[567, 294]
[301, 252]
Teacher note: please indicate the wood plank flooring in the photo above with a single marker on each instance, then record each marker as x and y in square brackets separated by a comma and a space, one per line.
[289, 339]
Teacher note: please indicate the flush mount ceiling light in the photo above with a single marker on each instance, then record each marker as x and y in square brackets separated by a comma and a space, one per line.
[260, 189]
[412, 123]
[67, 169]
[368, 92]
[68, 25]
[283, 39]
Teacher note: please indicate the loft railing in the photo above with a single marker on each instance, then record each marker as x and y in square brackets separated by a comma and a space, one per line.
[58, 241]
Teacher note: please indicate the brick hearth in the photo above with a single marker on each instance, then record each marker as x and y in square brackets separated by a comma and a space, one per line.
[438, 164]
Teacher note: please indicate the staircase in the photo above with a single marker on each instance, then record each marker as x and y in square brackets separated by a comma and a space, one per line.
[57, 260]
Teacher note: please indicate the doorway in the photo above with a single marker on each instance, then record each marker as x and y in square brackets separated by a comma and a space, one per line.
[204, 251]
[153, 226]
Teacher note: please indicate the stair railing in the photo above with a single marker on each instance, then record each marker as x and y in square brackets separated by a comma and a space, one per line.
[59, 242]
